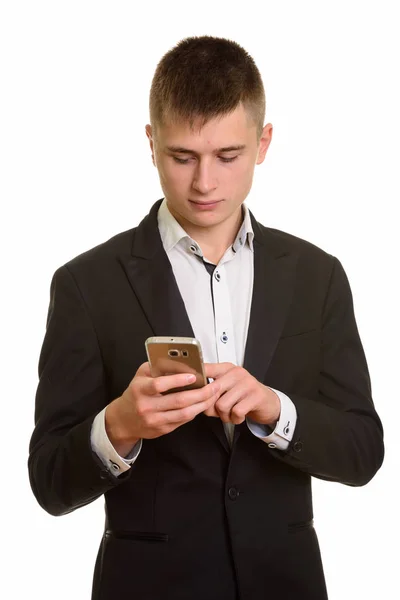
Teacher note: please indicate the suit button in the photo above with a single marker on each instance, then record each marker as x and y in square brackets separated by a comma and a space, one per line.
[233, 493]
[298, 447]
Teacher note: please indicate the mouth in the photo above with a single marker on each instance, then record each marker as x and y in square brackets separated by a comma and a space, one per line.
[209, 203]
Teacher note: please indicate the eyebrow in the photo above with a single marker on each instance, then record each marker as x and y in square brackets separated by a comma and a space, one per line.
[181, 150]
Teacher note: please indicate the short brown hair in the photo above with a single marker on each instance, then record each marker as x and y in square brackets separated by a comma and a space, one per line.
[205, 77]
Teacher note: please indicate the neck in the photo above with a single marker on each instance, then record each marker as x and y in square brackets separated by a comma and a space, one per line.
[214, 241]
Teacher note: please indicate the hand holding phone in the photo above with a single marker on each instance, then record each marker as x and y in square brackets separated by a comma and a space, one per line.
[152, 405]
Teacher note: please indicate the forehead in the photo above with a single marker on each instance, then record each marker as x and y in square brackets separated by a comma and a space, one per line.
[234, 128]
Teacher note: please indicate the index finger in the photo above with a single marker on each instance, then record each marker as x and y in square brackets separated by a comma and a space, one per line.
[164, 383]
[216, 370]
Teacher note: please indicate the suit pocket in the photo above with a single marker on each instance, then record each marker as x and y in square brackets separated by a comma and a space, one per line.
[145, 536]
[130, 560]
[301, 526]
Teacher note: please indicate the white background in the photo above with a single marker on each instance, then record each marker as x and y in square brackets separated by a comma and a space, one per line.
[76, 169]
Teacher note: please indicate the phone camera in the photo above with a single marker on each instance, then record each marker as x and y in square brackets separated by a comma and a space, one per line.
[173, 353]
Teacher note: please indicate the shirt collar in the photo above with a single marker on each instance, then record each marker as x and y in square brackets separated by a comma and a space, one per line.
[172, 232]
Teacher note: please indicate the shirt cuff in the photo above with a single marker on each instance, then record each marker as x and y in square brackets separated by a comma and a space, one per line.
[106, 451]
[282, 435]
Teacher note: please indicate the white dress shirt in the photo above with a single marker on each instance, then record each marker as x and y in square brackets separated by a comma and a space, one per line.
[218, 306]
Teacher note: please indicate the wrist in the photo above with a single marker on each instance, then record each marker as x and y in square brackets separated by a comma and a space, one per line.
[122, 441]
[274, 405]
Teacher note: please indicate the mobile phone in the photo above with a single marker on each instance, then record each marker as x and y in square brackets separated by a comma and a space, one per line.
[173, 355]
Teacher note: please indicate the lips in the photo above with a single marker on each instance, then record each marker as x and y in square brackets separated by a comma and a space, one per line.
[205, 203]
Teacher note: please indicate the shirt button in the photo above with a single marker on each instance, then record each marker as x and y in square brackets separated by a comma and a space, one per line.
[193, 248]
[224, 338]
[271, 445]
[233, 493]
[217, 276]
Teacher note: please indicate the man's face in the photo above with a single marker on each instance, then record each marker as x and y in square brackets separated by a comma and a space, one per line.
[215, 164]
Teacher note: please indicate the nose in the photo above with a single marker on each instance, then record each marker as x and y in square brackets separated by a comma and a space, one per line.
[203, 180]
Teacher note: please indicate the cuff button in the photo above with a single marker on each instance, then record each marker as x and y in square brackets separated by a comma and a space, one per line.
[298, 447]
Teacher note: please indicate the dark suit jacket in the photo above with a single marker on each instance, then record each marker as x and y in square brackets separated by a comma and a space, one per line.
[192, 519]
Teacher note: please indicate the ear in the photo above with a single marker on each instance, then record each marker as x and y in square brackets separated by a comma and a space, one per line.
[264, 143]
[150, 137]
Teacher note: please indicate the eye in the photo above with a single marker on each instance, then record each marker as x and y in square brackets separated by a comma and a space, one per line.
[181, 161]
[228, 160]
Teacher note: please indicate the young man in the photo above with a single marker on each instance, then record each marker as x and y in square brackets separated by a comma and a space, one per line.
[208, 491]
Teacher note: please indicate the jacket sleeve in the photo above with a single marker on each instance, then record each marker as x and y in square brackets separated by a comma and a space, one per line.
[65, 473]
[338, 435]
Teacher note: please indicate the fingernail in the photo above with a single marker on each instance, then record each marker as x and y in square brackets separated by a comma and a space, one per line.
[190, 377]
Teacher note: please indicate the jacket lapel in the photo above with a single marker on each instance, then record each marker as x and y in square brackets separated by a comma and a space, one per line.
[152, 280]
[274, 277]
[151, 277]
